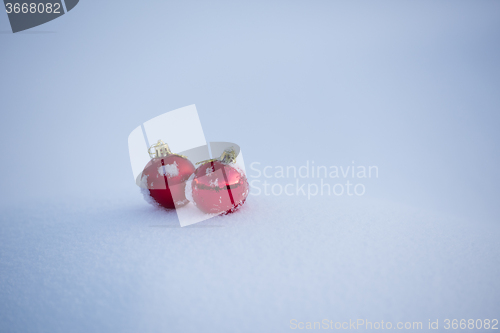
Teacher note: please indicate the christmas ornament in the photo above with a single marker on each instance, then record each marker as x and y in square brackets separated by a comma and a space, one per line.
[218, 185]
[165, 175]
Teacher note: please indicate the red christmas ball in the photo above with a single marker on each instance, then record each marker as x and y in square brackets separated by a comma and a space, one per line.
[218, 187]
[165, 177]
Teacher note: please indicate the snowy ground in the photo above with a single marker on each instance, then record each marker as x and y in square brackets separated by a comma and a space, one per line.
[121, 265]
[409, 87]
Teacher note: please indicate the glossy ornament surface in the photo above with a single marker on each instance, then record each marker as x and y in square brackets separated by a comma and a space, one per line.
[165, 176]
[219, 187]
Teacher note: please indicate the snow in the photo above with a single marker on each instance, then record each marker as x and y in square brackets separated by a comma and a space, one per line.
[144, 181]
[147, 196]
[213, 182]
[170, 170]
[189, 189]
[118, 264]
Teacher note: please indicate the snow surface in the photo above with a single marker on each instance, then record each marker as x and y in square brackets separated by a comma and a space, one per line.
[408, 86]
[119, 264]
